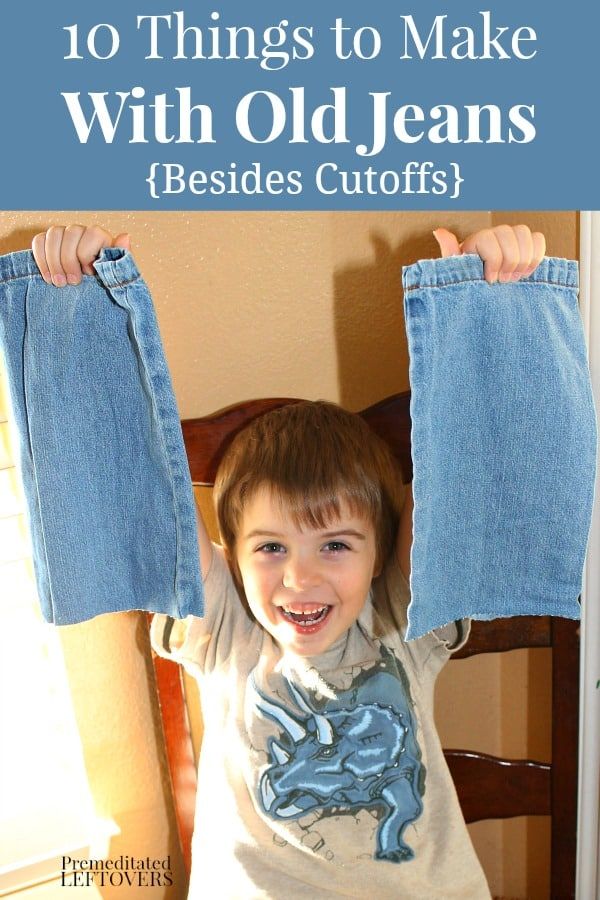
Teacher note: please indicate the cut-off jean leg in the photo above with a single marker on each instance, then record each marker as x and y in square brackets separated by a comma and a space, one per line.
[503, 442]
[109, 497]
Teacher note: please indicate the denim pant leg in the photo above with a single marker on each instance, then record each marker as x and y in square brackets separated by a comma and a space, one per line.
[109, 496]
[503, 442]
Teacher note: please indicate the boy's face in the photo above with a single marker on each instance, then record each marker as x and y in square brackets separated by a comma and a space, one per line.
[305, 586]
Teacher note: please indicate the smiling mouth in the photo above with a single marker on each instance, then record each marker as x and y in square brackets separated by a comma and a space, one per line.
[311, 617]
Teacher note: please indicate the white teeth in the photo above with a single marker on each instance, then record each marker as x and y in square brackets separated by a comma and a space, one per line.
[307, 617]
[305, 612]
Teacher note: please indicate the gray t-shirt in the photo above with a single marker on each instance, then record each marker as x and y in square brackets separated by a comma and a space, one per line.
[322, 777]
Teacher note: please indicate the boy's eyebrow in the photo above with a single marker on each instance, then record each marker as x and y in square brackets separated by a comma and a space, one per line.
[350, 532]
[261, 532]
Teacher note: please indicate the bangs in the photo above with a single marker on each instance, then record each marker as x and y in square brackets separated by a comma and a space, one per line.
[317, 509]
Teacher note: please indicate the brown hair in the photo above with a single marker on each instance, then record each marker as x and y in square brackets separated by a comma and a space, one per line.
[311, 455]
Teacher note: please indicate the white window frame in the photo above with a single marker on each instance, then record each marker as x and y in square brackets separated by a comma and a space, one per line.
[588, 825]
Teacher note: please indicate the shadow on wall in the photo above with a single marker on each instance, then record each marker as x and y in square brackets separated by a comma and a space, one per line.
[20, 238]
[369, 327]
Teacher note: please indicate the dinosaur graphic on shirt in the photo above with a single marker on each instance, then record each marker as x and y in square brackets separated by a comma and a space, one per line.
[357, 752]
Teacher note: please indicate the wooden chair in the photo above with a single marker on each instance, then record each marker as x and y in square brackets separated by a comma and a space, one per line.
[488, 787]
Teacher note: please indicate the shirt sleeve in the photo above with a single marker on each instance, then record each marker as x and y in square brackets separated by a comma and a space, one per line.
[199, 643]
[432, 650]
[453, 636]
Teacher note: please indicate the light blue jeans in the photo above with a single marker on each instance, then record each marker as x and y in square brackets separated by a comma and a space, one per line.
[105, 474]
[503, 442]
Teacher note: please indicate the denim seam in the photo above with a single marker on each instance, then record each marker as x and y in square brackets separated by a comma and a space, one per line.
[8, 278]
[170, 434]
[153, 374]
[34, 470]
[418, 372]
[30, 275]
[117, 284]
[433, 287]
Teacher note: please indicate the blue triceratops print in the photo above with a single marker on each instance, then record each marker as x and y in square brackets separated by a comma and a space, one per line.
[358, 755]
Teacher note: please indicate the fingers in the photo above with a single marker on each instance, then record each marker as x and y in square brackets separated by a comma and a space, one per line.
[122, 240]
[64, 254]
[38, 247]
[487, 245]
[448, 242]
[538, 251]
[525, 250]
[92, 241]
[69, 260]
[59, 249]
[508, 252]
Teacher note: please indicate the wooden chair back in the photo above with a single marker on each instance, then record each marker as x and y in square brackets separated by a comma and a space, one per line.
[487, 787]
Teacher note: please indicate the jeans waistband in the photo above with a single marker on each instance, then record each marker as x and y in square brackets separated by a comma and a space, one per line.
[459, 269]
[114, 266]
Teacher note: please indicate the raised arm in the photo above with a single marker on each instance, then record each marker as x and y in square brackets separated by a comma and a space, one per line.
[405, 533]
[63, 255]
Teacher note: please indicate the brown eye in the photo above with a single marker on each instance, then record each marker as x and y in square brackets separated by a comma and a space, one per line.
[270, 548]
[336, 546]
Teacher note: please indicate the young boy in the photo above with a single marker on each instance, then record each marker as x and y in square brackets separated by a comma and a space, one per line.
[321, 772]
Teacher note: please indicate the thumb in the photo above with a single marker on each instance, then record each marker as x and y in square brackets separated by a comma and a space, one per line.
[123, 241]
[448, 242]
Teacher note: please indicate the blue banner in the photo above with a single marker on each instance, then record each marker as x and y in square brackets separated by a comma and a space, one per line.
[280, 105]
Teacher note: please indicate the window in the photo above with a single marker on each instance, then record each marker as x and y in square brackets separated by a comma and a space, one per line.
[46, 808]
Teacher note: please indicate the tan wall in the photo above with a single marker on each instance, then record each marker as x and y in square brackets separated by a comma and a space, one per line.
[308, 305]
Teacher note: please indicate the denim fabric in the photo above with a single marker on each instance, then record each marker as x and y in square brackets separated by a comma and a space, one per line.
[503, 442]
[106, 479]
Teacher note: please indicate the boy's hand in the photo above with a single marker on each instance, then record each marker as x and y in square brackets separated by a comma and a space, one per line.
[508, 252]
[64, 254]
